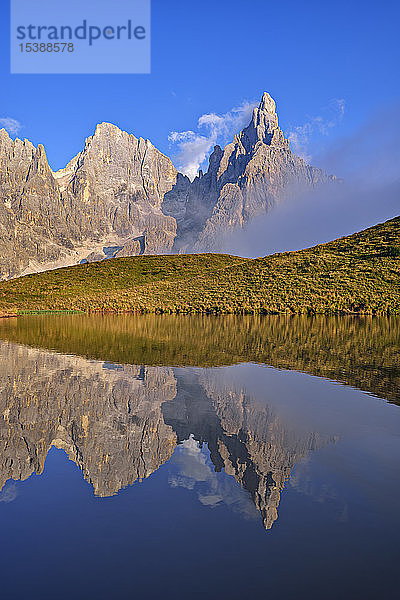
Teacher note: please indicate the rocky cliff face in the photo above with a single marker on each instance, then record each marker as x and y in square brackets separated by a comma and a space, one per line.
[243, 180]
[118, 183]
[33, 218]
[106, 202]
[120, 196]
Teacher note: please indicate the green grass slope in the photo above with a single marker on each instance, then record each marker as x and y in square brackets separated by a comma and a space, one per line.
[355, 274]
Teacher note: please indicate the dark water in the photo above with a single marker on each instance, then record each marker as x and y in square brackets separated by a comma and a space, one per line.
[231, 457]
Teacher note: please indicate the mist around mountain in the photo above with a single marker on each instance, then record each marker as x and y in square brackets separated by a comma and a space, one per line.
[367, 163]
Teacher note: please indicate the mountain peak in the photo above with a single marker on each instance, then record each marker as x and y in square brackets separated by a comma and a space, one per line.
[267, 104]
[120, 189]
[106, 129]
[265, 115]
[263, 126]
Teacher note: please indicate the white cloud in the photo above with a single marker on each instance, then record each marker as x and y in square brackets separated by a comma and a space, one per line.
[191, 468]
[300, 135]
[11, 125]
[8, 493]
[195, 147]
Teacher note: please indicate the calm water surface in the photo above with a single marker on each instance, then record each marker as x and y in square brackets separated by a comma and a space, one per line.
[219, 457]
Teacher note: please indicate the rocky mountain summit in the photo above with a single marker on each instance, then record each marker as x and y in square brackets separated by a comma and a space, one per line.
[243, 181]
[120, 196]
[108, 197]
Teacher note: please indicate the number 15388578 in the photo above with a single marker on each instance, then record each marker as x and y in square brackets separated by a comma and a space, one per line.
[47, 47]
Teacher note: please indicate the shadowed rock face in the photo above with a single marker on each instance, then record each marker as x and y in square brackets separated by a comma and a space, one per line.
[121, 423]
[121, 191]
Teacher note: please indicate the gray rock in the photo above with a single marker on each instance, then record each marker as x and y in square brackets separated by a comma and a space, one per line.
[109, 194]
[94, 257]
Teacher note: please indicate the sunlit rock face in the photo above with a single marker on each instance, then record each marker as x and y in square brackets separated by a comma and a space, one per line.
[33, 218]
[110, 194]
[121, 192]
[118, 182]
[119, 424]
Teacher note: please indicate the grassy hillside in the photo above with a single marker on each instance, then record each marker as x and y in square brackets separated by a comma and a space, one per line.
[355, 274]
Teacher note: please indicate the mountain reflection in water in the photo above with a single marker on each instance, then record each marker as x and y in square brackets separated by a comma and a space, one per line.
[219, 456]
[120, 422]
[120, 425]
[363, 352]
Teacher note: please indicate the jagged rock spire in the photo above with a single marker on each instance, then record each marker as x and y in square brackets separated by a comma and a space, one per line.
[263, 126]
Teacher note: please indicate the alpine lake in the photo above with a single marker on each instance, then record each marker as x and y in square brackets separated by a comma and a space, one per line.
[221, 457]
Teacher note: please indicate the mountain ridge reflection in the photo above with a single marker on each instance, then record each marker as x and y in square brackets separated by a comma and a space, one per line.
[120, 425]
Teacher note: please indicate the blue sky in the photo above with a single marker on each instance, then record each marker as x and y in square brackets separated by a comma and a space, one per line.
[210, 56]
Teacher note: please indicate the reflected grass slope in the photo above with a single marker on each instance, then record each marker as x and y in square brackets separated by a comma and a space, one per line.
[362, 351]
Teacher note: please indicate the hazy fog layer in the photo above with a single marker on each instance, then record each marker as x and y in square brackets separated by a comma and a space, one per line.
[369, 164]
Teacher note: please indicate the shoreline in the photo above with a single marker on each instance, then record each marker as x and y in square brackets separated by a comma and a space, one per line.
[161, 312]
